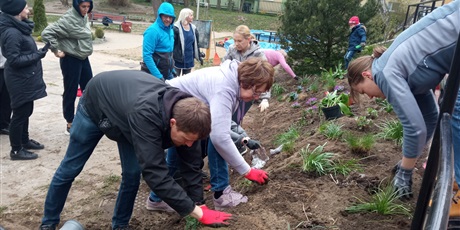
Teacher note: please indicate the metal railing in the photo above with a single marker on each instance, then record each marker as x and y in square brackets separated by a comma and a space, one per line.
[433, 204]
[418, 10]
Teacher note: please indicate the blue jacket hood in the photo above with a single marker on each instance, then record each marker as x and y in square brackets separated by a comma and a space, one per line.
[76, 5]
[165, 8]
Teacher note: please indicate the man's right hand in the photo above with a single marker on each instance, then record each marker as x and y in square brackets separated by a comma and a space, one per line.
[257, 175]
[214, 218]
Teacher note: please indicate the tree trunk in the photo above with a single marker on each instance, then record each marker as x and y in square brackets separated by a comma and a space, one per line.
[241, 6]
[65, 2]
[218, 4]
[156, 4]
[187, 3]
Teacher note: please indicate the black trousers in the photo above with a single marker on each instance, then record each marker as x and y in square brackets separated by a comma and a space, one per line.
[19, 126]
[5, 103]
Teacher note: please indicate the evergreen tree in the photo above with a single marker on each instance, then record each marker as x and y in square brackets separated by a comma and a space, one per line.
[39, 16]
[317, 30]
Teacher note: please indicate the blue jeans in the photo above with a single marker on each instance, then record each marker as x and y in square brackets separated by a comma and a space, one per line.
[456, 138]
[84, 137]
[348, 56]
[189, 161]
[218, 168]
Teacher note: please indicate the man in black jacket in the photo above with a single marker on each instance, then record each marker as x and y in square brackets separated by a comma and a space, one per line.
[144, 116]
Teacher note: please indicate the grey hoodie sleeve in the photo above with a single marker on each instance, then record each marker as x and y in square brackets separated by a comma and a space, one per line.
[237, 134]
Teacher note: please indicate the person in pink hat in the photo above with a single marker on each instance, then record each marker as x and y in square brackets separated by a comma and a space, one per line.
[356, 39]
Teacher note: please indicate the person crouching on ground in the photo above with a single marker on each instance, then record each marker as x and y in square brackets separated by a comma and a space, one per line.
[144, 116]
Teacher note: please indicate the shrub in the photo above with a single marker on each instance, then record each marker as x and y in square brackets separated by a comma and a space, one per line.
[39, 18]
[99, 32]
[39, 38]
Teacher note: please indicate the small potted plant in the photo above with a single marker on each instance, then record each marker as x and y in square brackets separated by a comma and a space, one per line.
[334, 105]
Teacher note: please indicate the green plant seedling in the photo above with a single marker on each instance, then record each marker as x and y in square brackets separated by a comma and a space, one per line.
[360, 145]
[345, 167]
[191, 223]
[386, 106]
[288, 139]
[277, 90]
[384, 202]
[391, 130]
[363, 122]
[316, 161]
[331, 130]
[372, 113]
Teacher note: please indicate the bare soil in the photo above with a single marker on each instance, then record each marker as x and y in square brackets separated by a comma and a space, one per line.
[291, 200]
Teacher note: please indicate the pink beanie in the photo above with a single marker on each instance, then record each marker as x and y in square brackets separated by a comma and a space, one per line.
[354, 20]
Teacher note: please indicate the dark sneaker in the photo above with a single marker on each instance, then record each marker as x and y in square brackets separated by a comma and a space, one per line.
[47, 227]
[5, 131]
[22, 154]
[122, 228]
[33, 144]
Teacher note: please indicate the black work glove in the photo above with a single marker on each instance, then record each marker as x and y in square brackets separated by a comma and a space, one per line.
[42, 53]
[253, 144]
[296, 78]
[403, 182]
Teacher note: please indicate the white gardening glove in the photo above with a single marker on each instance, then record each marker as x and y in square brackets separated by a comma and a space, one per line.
[263, 105]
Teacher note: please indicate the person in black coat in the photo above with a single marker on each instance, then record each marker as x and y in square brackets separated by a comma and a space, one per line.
[144, 116]
[23, 74]
[5, 107]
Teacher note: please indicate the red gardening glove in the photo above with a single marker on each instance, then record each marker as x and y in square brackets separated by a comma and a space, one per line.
[257, 175]
[214, 218]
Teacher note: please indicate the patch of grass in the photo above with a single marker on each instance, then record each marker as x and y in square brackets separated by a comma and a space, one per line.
[316, 161]
[304, 81]
[111, 180]
[391, 130]
[314, 86]
[383, 202]
[331, 130]
[345, 167]
[360, 145]
[288, 139]
[277, 90]
[2, 209]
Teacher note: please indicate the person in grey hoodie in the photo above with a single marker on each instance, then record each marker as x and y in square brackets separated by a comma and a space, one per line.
[71, 41]
[224, 88]
[405, 75]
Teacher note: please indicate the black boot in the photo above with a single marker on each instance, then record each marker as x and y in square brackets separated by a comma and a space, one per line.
[22, 154]
[33, 144]
[47, 227]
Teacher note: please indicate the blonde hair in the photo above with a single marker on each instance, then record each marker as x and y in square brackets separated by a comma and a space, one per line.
[184, 13]
[360, 65]
[244, 31]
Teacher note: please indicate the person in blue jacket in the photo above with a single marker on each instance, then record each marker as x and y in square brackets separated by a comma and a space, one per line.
[158, 45]
[405, 75]
[356, 39]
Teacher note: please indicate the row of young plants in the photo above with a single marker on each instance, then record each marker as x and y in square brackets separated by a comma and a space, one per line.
[317, 162]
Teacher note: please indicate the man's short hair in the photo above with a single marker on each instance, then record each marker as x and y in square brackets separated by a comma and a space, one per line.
[192, 116]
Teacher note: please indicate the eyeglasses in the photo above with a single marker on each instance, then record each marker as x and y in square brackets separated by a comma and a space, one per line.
[255, 93]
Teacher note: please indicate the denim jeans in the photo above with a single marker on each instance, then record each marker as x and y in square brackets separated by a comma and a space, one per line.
[456, 138]
[84, 137]
[348, 56]
[218, 168]
[188, 161]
